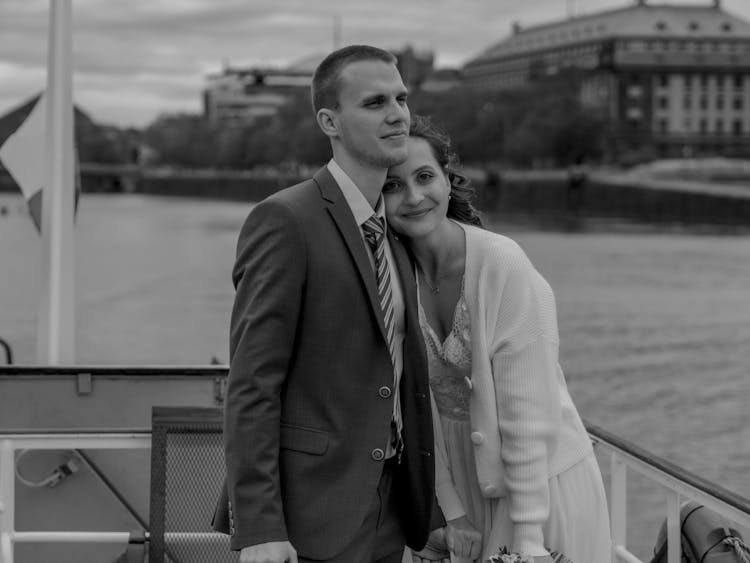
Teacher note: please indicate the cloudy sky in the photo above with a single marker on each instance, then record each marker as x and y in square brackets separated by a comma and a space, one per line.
[135, 59]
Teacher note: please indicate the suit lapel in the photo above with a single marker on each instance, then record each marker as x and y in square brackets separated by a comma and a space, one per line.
[414, 378]
[405, 275]
[350, 232]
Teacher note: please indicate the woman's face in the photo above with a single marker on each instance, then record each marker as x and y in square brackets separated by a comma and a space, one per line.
[416, 192]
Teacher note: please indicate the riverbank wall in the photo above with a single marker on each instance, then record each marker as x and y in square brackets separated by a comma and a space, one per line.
[543, 194]
[607, 195]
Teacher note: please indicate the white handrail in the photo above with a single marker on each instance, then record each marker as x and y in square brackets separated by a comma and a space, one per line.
[680, 485]
[70, 537]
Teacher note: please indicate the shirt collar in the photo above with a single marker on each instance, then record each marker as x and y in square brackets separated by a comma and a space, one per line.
[357, 203]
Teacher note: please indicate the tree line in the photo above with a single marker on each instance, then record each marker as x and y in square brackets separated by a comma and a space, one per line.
[542, 124]
[535, 126]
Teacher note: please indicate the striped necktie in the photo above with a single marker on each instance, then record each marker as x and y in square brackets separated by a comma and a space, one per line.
[374, 230]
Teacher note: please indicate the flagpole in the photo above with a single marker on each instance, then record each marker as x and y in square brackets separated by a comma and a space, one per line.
[56, 331]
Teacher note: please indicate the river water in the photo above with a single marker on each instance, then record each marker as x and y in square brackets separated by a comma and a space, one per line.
[654, 323]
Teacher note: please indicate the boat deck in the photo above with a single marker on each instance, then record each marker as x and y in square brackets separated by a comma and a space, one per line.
[124, 429]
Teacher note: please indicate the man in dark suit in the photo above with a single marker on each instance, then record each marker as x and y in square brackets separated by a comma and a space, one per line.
[328, 430]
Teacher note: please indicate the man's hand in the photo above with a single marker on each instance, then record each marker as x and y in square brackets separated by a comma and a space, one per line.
[271, 552]
[435, 551]
[463, 539]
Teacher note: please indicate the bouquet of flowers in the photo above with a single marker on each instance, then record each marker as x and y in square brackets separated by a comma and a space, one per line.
[505, 556]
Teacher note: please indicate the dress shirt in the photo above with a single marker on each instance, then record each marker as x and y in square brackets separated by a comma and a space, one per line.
[362, 211]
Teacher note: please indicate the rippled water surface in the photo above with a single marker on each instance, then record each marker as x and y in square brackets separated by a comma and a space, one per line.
[655, 326]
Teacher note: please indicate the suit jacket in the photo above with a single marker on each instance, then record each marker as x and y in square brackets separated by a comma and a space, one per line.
[305, 422]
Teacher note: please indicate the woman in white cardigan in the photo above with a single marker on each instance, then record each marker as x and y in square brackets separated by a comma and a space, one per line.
[514, 464]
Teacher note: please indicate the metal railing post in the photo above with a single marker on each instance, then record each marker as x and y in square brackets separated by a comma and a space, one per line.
[7, 500]
[619, 504]
[674, 544]
[8, 351]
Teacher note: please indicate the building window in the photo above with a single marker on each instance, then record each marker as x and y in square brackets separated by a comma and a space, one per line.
[719, 102]
[726, 26]
[737, 104]
[737, 127]
[688, 124]
[738, 81]
[719, 127]
[694, 26]
[663, 126]
[703, 125]
[704, 81]
[635, 91]
[663, 102]
[704, 102]
[687, 102]
[634, 114]
[663, 80]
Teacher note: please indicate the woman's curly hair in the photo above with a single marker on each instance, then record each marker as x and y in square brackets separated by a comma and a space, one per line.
[460, 207]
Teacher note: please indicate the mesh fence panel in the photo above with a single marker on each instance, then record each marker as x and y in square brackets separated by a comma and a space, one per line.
[188, 471]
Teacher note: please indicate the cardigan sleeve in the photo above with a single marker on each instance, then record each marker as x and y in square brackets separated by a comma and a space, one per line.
[524, 358]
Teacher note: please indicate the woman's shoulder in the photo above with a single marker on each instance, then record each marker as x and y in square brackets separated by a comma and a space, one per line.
[484, 241]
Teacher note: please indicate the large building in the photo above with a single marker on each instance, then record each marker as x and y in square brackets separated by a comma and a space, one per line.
[243, 95]
[672, 77]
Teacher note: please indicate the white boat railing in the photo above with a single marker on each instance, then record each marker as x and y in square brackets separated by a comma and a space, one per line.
[11, 443]
[679, 484]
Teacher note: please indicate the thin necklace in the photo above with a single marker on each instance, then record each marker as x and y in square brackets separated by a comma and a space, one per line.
[434, 286]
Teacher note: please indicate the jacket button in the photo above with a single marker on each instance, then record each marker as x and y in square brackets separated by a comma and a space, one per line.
[489, 490]
[477, 438]
[384, 392]
[378, 454]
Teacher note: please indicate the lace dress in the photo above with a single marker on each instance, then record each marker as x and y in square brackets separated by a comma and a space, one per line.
[450, 366]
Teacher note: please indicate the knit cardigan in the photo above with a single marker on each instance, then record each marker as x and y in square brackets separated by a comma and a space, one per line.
[525, 428]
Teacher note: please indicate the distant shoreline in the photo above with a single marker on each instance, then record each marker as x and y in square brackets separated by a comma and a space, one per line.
[543, 195]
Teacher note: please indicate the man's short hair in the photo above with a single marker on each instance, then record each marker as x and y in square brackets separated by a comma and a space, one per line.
[326, 81]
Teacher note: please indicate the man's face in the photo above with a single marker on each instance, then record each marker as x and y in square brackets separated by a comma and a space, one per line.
[372, 117]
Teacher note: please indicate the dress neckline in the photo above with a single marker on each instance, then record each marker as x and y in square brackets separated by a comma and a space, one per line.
[456, 311]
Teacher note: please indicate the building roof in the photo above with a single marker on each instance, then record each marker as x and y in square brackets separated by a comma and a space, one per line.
[640, 20]
[308, 63]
